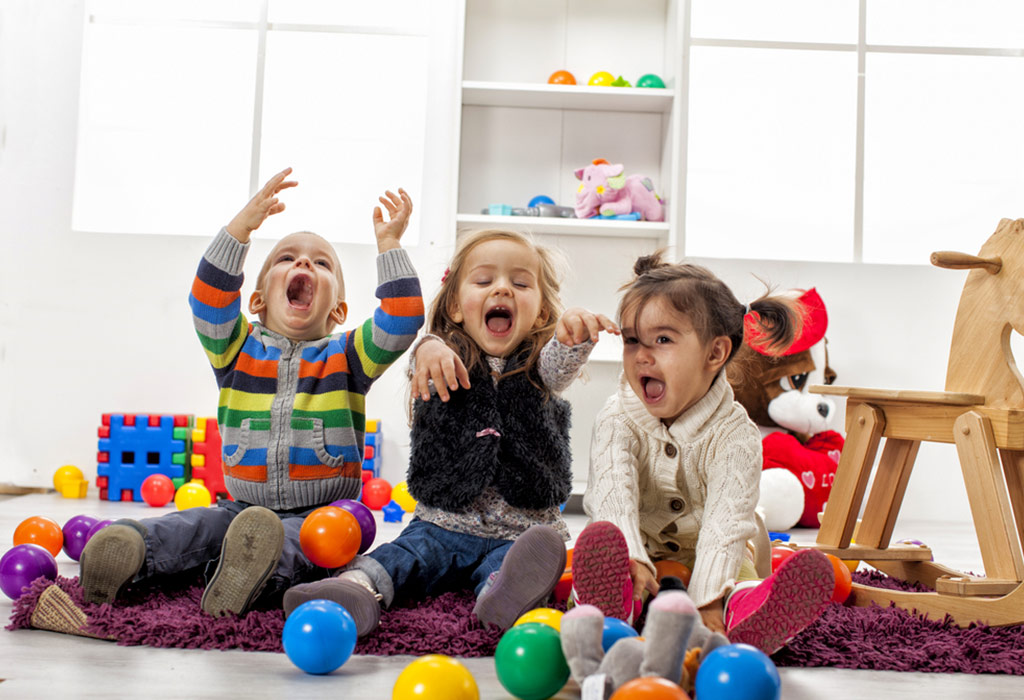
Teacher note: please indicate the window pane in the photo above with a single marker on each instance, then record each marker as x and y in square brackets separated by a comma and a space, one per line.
[771, 154]
[204, 10]
[408, 14]
[828, 21]
[943, 148]
[352, 127]
[960, 23]
[161, 128]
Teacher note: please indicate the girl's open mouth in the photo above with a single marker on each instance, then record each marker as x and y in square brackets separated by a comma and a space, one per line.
[653, 388]
[498, 320]
[300, 292]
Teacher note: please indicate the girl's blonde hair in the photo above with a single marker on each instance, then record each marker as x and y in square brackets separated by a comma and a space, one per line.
[440, 321]
[710, 305]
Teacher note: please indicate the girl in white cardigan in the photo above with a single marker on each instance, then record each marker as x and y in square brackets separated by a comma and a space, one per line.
[675, 463]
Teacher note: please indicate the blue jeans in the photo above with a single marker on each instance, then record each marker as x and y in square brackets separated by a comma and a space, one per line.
[426, 559]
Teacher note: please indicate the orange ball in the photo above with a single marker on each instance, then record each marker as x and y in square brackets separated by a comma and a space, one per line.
[844, 582]
[330, 537]
[667, 567]
[562, 77]
[42, 531]
[650, 688]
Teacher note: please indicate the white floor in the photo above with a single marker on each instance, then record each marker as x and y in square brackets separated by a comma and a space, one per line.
[45, 664]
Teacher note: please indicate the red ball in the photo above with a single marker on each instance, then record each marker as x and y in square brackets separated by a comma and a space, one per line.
[330, 537]
[779, 555]
[42, 531]
[376, 493]
[844, 581]
[157, 490]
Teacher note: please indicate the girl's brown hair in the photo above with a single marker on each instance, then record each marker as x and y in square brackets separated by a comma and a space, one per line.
[440, 321]
[710, 305]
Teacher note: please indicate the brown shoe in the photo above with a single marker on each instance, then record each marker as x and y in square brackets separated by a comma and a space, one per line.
[110, 559]
[359, 600]
[248, 557]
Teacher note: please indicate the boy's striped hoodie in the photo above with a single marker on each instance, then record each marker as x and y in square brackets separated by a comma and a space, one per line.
[291, 413]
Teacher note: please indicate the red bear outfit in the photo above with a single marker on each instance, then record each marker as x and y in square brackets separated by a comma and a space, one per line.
[813, 463]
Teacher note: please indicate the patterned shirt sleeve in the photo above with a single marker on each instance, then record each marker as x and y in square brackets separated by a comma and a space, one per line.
[560, 364]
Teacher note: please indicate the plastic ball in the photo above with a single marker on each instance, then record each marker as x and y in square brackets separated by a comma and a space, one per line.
[530, 663]
[330, 537]
[66, 473]
[367, 523]
[42, 531]
[667, 567]
[319, 636]
[545, 616]
[23, 564]
[157, 490]
[601, 78]
[542, 199]
[779, 555]
[400, 495]
[735, 672]
[376, 493]
[435, 677]
[562, 77]
[96, 528]
[192, 495]
[614, 630]
[650, 80]
[76, 531]
[844, 581]
[650, 688]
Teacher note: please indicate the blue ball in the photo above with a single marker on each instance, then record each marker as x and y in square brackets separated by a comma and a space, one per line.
[541, 199]
[319, 636]
[614, 630]
[738, 671]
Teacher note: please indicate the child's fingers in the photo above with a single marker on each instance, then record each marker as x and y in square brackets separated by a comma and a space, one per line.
[378, 216]
[608, 325]
[461, 373]
[562, 334]
[440, 384]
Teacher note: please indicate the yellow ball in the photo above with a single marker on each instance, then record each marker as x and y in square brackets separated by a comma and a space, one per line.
[601, 77]
[400, 495]
[546, 616]
[66, 473]
[435, 677]
[192, 495]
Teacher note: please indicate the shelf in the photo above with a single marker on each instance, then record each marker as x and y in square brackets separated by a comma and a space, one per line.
[607, 350]
[583, 97]
[565, 227]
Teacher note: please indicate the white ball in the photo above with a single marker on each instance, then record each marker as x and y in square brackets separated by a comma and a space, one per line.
[782, 499]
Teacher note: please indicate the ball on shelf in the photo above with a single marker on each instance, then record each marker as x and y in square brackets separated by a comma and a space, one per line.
[76, 531]
[319, 636]
[23, 564]
[562, 77]
[157, 490]
[192, 495]
[530, 663]
[66, 473]
[545, 616]
[649, 80]
[844, 581]
[330, 537]
[376, 493]
[614, 630]
[367, 523]
[541, 199]
[435, 677]
[737, 671]
[42, 531]
[601, 78]
[649, 688]
[400, 495]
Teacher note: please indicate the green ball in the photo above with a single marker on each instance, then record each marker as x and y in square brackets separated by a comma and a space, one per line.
[650, 80]
[530, 663]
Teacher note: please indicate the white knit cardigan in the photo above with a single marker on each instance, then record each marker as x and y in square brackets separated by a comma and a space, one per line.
[687, 491]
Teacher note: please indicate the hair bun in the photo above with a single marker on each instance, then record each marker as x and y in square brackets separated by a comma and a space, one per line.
[646, 263]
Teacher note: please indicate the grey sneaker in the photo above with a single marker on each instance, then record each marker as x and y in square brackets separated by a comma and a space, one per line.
[360, 601]
[248, 557]
[112, 558]
[532, 567]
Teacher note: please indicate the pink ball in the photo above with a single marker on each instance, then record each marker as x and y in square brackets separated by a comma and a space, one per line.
[76, 532]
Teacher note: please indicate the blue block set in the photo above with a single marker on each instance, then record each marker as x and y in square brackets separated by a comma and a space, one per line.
[371, 456]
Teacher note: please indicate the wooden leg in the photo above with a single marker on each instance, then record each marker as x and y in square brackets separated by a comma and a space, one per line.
[886, 497]
[1013, 470]
[1004, 610]
[986, 492]
[864, 430]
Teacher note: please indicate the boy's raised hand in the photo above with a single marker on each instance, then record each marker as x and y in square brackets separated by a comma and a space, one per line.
[578, 324]
[263, 204]
[389, 233]
[437, 362]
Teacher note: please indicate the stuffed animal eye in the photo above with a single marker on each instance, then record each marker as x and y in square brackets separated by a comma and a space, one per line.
[794, 381]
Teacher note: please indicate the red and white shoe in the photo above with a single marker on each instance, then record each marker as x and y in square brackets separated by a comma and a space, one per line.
[600, 571]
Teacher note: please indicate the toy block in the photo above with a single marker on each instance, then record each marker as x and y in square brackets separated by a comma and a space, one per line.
[205, 459]
[74, 488]
[135, 447]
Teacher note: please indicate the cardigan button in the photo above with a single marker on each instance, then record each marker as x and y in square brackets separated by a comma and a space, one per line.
[670, 450]
[676, 504]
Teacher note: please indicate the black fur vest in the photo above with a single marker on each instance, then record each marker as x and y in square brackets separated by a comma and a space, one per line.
[506, 435]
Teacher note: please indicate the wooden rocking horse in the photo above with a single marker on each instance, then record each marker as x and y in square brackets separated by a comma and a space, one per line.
[982, 413]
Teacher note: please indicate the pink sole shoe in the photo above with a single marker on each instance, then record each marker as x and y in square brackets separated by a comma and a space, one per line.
[780, 607]
[600, 570]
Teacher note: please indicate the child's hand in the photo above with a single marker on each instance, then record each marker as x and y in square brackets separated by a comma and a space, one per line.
[438, 362]
[713, 615]
[643, 579]
[399, 208]
[263, 204]
[577, 325]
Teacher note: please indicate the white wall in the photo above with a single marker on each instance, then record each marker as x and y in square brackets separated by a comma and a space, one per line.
[95, 323]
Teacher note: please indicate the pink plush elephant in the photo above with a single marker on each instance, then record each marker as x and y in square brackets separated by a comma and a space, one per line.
[605, 191]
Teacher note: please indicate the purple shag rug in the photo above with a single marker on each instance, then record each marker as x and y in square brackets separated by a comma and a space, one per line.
[844, 637]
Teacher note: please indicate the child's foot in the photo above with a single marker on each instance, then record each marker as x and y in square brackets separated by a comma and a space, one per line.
[528, 574]
[600, 570]
[777, 609]
[248, 557]
[112, 558]
[358, 598]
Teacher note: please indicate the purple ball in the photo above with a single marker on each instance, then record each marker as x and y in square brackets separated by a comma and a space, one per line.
[22, 565]
[364, 516]
[76, 532]
[96, 528]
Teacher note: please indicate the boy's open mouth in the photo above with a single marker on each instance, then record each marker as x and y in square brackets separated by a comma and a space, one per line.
[300, 291]
[498, 320]
[653, 388]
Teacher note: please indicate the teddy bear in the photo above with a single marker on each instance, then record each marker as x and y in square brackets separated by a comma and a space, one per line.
[605, 191]
[800, 450]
